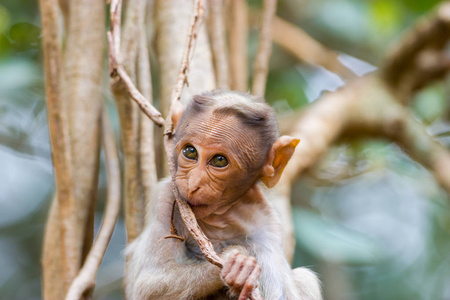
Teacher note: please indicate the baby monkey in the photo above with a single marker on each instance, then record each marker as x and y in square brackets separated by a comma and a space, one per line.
[226, 144]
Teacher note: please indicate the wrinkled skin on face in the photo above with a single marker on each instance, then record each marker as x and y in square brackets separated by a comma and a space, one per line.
[213, 157]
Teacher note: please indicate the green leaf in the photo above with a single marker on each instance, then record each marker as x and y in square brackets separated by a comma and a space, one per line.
[286, 85]
[4, 19]
[25, 36]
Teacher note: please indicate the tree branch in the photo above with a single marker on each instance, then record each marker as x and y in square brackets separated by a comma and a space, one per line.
[83, 68]
[84, 283]
[364, 107]
[123, 87]
[261, 66]
[430, 33]
[218, 43]
[147, 162]
[307, 49]
[197, 17]
[143, 103]
[116, 69]
[238, 38]
[370, 106]
[59, 135]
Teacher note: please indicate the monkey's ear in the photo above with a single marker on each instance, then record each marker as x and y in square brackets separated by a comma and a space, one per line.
[176, 112]
[280, 154]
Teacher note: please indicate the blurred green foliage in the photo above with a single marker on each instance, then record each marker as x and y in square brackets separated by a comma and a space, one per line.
[373, 223]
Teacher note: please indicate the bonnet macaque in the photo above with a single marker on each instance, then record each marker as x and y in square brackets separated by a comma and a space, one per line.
[226, 147]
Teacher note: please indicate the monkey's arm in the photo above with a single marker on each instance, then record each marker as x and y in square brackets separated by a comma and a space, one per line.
[277, 280]
[160, 269]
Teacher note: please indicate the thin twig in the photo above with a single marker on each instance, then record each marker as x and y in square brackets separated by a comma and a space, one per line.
[197, 17]
[117, 71]
[218, 43]
[261, 66]
[171, 236]
[146, 107]
[238, 38]
[85, 281]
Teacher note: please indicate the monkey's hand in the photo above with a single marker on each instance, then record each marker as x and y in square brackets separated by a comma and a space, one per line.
[240, 272]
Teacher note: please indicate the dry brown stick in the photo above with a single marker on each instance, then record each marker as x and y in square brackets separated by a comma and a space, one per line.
[261, 65]
[307, 49]
[116, 68]
[218, 43]
[146, 107]
[84, 283]
[237, 37]
[185, 210]
[59, 135]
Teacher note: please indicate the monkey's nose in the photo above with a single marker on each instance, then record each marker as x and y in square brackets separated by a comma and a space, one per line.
[193, 190]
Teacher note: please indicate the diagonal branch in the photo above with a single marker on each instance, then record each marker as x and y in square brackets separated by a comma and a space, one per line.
[85, 281]
[307, 49]
[143, 103]
[118, 73]
[364, 107]
[261, 66]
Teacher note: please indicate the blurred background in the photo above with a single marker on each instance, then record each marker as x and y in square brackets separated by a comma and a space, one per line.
[373, 223]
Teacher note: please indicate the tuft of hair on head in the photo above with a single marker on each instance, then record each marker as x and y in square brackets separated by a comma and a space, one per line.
[251, 111]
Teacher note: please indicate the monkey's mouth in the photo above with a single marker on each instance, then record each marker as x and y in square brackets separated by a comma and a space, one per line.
[197, 205]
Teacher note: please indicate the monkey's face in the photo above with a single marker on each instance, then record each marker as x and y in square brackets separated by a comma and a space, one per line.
[212, 164]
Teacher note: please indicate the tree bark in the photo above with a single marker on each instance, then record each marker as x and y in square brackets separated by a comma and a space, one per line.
[129, 120]
[82, 92]
[79, 105]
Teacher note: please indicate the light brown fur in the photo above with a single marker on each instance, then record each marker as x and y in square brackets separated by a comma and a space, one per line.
[230, 208]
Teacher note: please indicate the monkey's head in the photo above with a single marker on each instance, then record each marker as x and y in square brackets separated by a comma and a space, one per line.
[224, 143]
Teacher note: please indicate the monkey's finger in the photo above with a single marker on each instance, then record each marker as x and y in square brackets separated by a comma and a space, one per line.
[250, 284]
[230, 278]
[228, 264]
[249, 265]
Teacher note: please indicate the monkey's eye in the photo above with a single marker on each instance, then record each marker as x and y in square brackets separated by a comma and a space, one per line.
[219, 161]
[190, 152]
